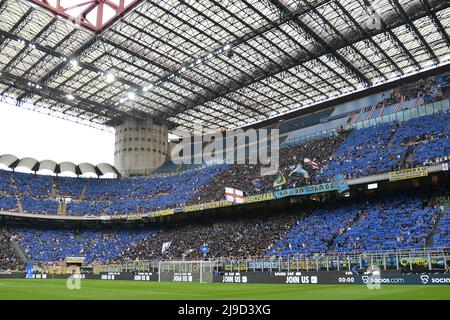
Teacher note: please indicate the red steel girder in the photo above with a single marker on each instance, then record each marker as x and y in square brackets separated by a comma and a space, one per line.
[97, 22]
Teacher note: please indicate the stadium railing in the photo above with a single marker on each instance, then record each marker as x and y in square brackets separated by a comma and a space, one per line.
[423, 260]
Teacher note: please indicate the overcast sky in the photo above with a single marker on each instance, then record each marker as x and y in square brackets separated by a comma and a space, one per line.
[26, 133]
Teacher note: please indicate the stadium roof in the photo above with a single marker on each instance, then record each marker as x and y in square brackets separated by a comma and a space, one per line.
[219, 63]
[13, 162]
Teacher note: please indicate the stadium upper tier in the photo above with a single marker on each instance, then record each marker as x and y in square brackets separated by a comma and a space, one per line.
[378, 149]
[403, 221]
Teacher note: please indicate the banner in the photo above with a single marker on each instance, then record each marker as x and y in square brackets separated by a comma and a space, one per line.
[313, 164]
[209, 205]
[408, 173]
[161, 213]
[259, 197]
[331, 277]
[75, 259]
[317, 188]
[133, 217]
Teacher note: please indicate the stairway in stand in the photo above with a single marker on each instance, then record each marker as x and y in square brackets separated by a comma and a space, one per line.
[17, 194]
[62, 208]
[83, 191]
[430, 240]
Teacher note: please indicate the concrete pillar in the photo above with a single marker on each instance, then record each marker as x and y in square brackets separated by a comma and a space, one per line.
[140, 146]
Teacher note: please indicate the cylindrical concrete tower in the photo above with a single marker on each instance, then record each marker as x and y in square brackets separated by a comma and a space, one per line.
[141, 145]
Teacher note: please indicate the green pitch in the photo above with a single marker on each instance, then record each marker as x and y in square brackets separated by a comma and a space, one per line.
[123, 290]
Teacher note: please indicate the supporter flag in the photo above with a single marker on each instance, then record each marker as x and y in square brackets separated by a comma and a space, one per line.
[204, 249]
[166, 246]
[433, 91]
[234, 195]
[29, 271]
[313, 164]
[394, 156]
[279, 181]
[187, 252]
[299, 172]
[258, 184]
[341, 184]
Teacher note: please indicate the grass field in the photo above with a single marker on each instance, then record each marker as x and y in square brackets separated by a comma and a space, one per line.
[49, 289]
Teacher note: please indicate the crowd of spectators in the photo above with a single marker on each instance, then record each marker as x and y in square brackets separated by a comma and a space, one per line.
[391, 223]
[9, 260]
[248, 178]
[367, 151]
[393, 146]
[226, 238]
[441, 238]
[315, 233]
[102, 196]
[51, 245]
[403, 221]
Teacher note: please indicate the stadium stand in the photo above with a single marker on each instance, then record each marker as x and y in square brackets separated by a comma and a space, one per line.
[9, 260]
[334, 228]
[383, 146]
[378, 149]
[441, 237]
[248, 177]
[46, 245]
[8, 203]
[364, 152]
[224, 238]
[103, 196]
[391, 146]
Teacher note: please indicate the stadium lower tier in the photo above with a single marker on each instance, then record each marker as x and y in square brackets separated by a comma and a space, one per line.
[388, 223]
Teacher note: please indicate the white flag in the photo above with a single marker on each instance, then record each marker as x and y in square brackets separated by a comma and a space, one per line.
[166, 246]
[234, 195]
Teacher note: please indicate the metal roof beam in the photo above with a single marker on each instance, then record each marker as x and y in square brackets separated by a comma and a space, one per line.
[171, 72]
[399, 9]
[35, 38]
[368, 37]
[329, 49]
[230, 90]
[436, 21]
[347, 43]
[166, 89]
[56, 95]
[251, 35]
[270, 59]
[193, 70]
[384, 28]
[182, 76]
[304, 49]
